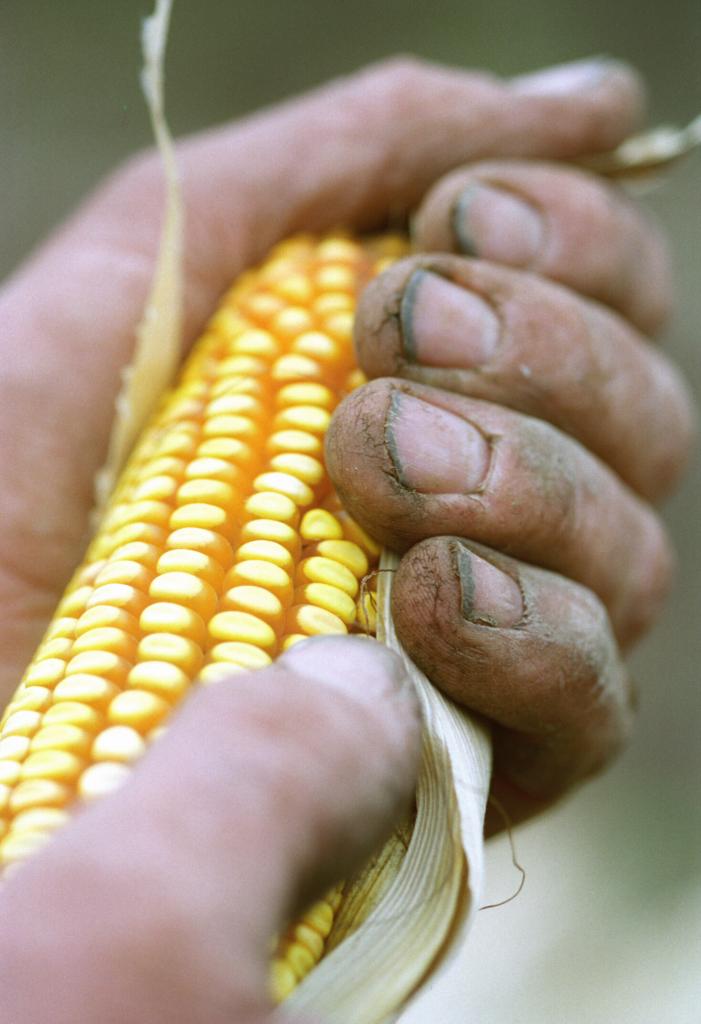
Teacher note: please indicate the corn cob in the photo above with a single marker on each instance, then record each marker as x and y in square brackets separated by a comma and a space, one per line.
[223, 544]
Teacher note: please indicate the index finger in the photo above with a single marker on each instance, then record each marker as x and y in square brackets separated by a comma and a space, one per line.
[356, 152]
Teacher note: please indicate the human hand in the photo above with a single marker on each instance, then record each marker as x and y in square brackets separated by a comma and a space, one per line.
[379, 139]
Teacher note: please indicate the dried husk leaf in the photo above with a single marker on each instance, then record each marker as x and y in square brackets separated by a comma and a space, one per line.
[639, 161]
[428, 896]
[158, 335]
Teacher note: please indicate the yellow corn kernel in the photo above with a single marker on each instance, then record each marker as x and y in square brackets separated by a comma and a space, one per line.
[106, 639]
[283, 980]
[309, 619]
[271, 530]
[266, 551]
[138, 708]
[271, 505]
[243, 627]
[318, 569]
[208, 542]
[293, 638]
[14, 748]
[9, 773]
[309, 938]
[347, 553]
[125, 571]
[355, 533]
[85, 689]
[194, 563]
[22, 723]
[296, 367]
[331, 598]
[59, 647]
[209, 492]
[187, 590]
[318, 346]
[118, 743]
[286, 484]
[332, 302]
[256, 601]
[58, 765]
[33, 698]
[211, 468]
[160, 677]
[107, 617]
[184, 654]
[74, 713]
[302, 393]
[304, 467]
[258, 573]
[219, 670]
[168, 617]
[98, 663]
[298, 442]
[38, 793]
[318, 524]
[119, 595]
[201, 515]
[74, 603]
[101, 779]
[63, 626]
[39, 819]
[299, 958]
[17, 848]
[45, 673]
[291, 321]
[66, 737]
[160, 487]
[238, 653]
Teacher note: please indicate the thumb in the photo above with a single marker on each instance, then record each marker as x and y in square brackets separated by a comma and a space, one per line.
[160, 901]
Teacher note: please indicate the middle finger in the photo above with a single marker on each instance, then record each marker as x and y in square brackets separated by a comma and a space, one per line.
[478, 329]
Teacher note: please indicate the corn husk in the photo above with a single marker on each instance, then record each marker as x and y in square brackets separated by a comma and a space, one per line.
[413, 906]
[639, 161]
[158, 350]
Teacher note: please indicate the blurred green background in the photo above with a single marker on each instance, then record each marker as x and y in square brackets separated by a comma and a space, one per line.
[608, 928]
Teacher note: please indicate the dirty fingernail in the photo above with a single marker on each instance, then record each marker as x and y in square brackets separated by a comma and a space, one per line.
[493, 224]
[565, 79]
[434, 451]
[489, 597]
[444, 324]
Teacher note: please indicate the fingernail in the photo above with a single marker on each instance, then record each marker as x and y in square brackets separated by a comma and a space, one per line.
[496, 225]
[434, 451]
[360, 667]
[489, 597]
[446, 325]
[565, 79]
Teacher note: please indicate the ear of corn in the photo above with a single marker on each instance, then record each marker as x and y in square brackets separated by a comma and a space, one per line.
[223, 545]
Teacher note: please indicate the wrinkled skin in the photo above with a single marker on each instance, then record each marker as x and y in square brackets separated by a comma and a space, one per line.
[499, 448]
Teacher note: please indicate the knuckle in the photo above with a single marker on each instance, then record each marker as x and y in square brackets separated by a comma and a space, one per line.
[402, 74]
